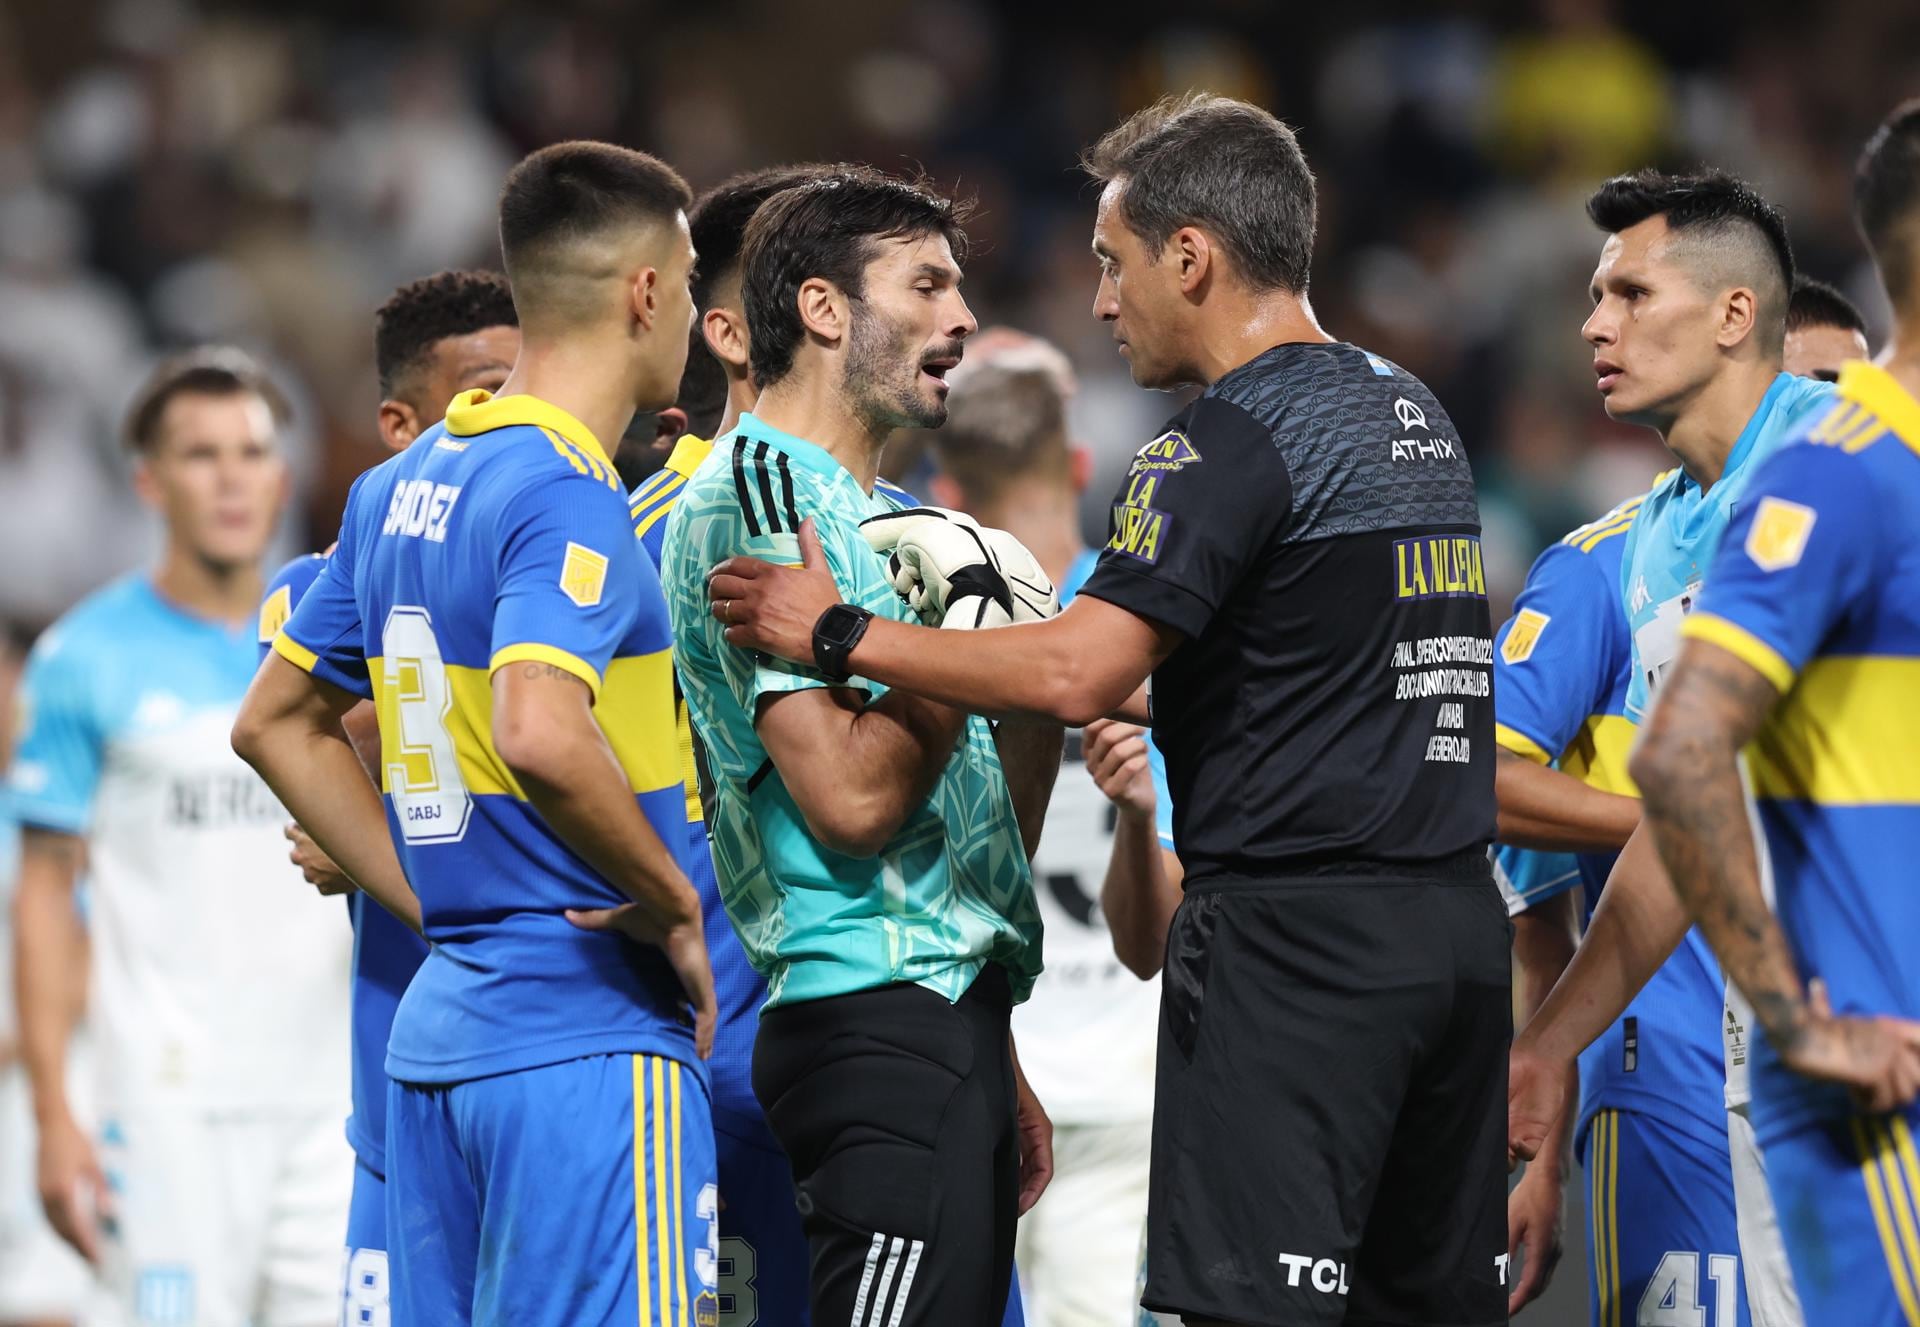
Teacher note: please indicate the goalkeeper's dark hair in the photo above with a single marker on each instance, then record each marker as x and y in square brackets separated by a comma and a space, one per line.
[1728, 233]
[1886, 203]
[1817, 304]
[423, 313]
[203, 371]
[566, 198]
[829, 227]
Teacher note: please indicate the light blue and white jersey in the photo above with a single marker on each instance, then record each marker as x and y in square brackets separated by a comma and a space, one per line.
[219, 978]
[1663, 569]
[1673, 539]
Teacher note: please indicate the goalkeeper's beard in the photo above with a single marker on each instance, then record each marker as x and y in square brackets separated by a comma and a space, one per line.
[883, 376]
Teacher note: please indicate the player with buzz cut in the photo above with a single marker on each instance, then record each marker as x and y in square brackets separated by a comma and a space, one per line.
[1793, 692]
[550, 1155]
[1688, 330]
[1824, 331]
[217, 1184]
[871, 848]
[434, 338]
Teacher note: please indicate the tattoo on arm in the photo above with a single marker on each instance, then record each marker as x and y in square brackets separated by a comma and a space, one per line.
[65, 850]
[535, 671]
[1696, 806]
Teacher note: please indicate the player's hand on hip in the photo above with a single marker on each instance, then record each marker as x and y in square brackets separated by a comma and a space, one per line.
[1536, 1094]
[1116, 756]
[1036, 1142]
[1534, 1232]
[682, 940]
[318, 868]
[772, 608]
[1878, 1059]
[73, 1189]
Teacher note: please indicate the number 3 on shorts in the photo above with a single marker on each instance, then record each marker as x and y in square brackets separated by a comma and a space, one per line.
[422, 768]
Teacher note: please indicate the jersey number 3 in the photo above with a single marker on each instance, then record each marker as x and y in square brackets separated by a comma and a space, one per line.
[423, 769]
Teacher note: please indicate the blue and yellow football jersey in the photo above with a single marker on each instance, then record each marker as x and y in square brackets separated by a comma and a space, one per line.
[1561, 667]
[501, 537]
[1817, 586]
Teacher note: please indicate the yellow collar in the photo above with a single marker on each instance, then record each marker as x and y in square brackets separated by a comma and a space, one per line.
[687, 455]
[1876, 389]
[478, 411]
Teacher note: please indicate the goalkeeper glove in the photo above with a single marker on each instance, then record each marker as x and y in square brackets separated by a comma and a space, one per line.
[955, 572]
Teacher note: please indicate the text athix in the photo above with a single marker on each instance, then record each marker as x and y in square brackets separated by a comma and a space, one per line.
[420, 508]
[1438, 567]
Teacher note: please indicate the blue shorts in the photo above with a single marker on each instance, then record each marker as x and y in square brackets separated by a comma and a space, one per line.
[364, 1293]
[522, 1198]
[1848, 1197]
[1663, 1245]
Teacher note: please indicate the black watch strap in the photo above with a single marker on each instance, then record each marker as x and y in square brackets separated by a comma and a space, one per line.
[838, 630]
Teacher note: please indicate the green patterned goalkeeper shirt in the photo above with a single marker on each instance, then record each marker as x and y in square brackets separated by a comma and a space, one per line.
[952, 890]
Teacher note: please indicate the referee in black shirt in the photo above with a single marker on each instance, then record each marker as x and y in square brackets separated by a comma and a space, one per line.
[1295, 560]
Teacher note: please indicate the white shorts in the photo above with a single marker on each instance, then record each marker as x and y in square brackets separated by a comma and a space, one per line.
[41, 1277]
[1770, 1293]
[1078, 1249]
[226, 1220]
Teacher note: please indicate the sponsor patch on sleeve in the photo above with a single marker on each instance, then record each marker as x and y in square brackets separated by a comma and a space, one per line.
[1172, 450]
[583, 576]
[1528, 623]
[1777, 539]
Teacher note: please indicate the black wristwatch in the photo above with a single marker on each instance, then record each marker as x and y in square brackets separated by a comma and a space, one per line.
[834, 636]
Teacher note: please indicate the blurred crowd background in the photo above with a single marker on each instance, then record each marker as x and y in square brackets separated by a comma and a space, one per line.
[173, 172]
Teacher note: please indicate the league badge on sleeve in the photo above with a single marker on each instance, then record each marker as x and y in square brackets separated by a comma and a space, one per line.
[1778, 536]
[1528, 623]
[583, 576]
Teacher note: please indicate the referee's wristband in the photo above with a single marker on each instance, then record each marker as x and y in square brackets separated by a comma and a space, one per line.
[835, 634]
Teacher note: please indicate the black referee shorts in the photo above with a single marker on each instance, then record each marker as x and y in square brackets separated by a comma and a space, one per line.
[896, 1109]
[1329, 1119]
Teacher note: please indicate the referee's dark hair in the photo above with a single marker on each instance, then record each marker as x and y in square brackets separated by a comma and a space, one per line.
[561, 205]
[203, 371]
[828, 227]
[1817, 304]
[1886, 203]
[1224, 166]
[1741, 237]
[429, 310]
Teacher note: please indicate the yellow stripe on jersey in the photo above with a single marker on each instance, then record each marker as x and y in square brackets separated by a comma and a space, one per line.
[1844, 736]
[1877, 391]
[647, 500]
[534, 652]
[679, 1212]
[1742, 644]
[640, 1224]
[1614, 522]
[664, 1216]
[586, 462]
[635, 711]
[1597, 537]
[1596, 1143]
[1512, 739]
[1891, 1216]
[653, 518]
[294, 652]
[1597, 755]
[636, 714]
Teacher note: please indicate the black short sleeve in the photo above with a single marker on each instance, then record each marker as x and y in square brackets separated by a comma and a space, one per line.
[1200, 504]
